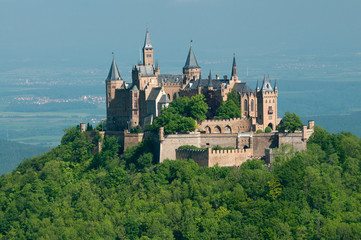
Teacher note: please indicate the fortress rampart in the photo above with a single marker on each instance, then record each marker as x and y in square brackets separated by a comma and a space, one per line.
[209, 157]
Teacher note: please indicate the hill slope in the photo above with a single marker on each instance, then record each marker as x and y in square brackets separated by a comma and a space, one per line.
[71, 193]
[13, 153]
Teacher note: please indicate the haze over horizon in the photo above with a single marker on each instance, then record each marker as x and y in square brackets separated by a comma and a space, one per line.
[84, 33]
[61, 51]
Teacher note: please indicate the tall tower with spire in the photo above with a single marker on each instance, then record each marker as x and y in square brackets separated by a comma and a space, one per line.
[112, 83]
[234, 76]
[145, 74]
[191, 68]
[148, 50]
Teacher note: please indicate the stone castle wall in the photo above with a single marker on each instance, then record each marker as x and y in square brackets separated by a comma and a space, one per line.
[172, 142]
[233, 125]
[210, 158]
[262, 141]
[229, 158]
[199, 156]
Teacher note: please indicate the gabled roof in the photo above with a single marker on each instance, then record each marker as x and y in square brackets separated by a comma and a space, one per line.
[134, 88]
[154, 93]
[164, 99]
[113, 72]
[191, 61]
[147, 42]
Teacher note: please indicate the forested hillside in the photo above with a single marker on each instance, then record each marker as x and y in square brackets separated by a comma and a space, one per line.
[69, 193]
[12, 153]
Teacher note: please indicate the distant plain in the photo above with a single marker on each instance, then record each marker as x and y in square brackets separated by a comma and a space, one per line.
[324, 88]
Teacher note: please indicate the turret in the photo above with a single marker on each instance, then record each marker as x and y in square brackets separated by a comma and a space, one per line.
[135, 106]
[113, 81]
[210, 84]
[191, 67]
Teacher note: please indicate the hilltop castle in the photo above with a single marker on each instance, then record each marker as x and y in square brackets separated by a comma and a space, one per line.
[139, 103]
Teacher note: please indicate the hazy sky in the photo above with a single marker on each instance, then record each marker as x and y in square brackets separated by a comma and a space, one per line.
[86, 31]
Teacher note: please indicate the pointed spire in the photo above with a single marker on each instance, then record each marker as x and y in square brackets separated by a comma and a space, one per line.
[147, 42]
[210, 79]
[266, 86]
[113, 74]
[234, 66]
[275, 87]
[191, 61]
[200, 80]
[257, 87]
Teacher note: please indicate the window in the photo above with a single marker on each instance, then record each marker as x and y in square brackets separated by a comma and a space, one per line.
[245, 105]
[252, 105]
[270, 111]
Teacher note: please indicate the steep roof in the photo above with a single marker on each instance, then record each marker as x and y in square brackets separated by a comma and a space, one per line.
[170, 78]
[147, 42]
[266, 86]
[134, 88]
[113, 72]
[191, 61]
[234, 66]
[154, 93]
[146, 71]
[215, 83]
[164, 99]
[242, 87]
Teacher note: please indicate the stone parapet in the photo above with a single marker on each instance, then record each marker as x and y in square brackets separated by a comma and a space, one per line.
[209, 157]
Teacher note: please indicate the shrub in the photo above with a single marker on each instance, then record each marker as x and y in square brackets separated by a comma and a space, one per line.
[268, 129]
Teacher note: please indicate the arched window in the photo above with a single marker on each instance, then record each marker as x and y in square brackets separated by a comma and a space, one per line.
[208, 129]
[245, 105]
[227, 129]
[217, 129]
[252, 108]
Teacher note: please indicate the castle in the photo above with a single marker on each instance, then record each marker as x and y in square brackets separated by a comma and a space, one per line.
[139, 103]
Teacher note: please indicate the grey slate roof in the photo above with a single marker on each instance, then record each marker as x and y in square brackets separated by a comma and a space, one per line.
[266, 86]
[154, 93]
[146, 71]
[173, 78]
[147, 42]
[242, 87]
[234, 65]
[113, 72]
[134, 88]
[216, 83]
[164, 99]
[191, 61]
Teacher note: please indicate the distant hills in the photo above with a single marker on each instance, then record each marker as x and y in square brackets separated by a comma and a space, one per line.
[13, 153]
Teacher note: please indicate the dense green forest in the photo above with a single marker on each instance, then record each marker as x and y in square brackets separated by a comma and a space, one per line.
[71, 193]
[13, 153]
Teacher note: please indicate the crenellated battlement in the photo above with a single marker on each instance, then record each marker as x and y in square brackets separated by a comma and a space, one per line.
[209, 157]
[226, 125]
[172, 84]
